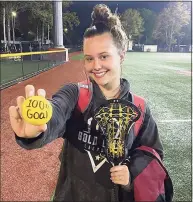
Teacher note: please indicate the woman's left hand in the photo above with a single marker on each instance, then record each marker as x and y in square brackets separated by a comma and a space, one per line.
[120, 175]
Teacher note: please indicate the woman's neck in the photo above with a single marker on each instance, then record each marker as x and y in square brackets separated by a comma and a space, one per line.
[111, 90]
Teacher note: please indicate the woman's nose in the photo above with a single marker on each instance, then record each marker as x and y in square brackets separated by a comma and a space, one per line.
[96, 65]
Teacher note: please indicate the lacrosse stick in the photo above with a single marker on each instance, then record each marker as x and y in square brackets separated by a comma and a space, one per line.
[115, 118]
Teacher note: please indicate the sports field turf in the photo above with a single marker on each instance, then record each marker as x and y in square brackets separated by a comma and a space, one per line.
[164, 80]
[11, 70]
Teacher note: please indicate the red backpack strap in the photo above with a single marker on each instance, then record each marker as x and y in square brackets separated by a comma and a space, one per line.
[140, 103]
[150, 150]
[85, 95]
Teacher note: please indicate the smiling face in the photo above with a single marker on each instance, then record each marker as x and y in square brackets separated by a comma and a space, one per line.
[102, 59]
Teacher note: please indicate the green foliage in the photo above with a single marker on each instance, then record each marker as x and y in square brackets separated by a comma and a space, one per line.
[39, 14]
[149, 18]
[170, 23]
[70, 20]
[133, 23]
[14, 6]
[185, 36]
[42, 12]
[11, 6]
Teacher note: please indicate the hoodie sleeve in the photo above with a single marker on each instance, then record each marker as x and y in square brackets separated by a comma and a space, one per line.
[63, 103]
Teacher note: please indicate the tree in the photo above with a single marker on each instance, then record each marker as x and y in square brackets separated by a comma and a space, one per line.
[41, 18]
[8, 8]
[184, 36]
[170, 22]
[149, 18]
[133, 23]
[70, 20]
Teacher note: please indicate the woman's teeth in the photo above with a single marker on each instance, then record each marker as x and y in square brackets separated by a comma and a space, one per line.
[99, 75]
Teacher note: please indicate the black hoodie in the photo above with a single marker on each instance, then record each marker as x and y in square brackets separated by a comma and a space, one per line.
[85, 172]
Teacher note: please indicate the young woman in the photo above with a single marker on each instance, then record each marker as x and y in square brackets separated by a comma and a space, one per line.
[85, 174]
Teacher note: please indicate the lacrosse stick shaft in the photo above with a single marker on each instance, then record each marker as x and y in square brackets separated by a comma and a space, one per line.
[115, 193]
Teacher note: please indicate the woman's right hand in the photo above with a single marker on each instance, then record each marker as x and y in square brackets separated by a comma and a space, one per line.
[18, 124]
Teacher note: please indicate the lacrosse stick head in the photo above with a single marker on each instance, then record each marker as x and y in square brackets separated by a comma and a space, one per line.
[115, 118]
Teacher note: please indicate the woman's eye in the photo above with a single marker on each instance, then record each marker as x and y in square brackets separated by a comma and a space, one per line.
[88, 59]
[104, 57]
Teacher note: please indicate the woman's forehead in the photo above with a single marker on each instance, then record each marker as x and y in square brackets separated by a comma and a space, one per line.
[98, 44]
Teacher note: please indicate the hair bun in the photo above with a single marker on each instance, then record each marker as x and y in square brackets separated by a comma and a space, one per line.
[104, 21]
[101, 14]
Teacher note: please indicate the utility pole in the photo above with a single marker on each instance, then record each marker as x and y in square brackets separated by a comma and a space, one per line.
[58, 24]
[13, 28]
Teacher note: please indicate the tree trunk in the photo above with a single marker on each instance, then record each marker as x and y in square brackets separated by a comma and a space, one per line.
[8, 30]
[180, 39]
[48, 32]
[13, 30]
[4, 31]
[169, 47]
[178, 44]
[37, 34]
[146, 40]
[42, 33]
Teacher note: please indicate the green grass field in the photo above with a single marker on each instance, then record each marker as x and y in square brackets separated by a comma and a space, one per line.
[155, 76]
[11, 70]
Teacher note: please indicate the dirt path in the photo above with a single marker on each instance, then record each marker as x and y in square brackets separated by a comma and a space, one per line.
[31, 175]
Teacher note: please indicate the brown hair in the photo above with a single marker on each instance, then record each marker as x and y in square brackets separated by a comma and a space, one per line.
[103, 20]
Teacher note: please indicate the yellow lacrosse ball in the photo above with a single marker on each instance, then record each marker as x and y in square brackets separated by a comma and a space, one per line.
[36, 110]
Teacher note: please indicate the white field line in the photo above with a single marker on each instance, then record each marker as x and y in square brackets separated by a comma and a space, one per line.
[175, 121]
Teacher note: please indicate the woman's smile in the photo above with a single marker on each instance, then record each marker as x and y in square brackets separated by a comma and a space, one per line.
[100, 74]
